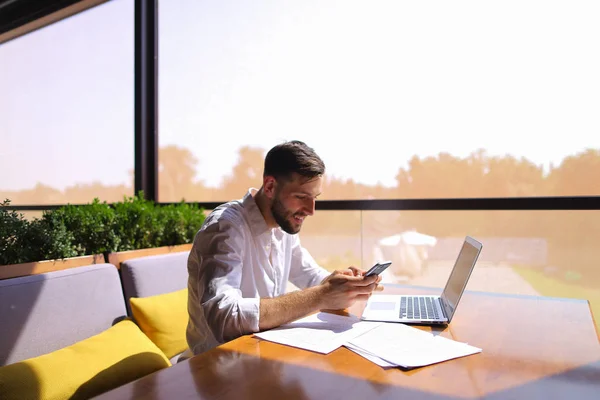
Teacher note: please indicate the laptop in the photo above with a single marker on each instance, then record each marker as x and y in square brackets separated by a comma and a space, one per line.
[418, 309]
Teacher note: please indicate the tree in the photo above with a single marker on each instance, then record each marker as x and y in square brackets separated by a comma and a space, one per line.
[577, 175]
[508, 177]
[176, 173]
[245, 174]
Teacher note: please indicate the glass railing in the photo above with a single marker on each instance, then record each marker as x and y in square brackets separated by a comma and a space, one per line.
[549, 253]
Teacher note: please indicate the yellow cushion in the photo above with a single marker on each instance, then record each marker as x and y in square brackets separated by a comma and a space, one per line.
[164, 319]
[95, 365]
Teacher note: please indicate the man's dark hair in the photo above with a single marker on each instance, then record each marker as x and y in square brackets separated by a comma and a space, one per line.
[293, 157]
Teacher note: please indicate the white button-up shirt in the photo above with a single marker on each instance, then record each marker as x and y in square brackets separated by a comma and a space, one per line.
[236, 259]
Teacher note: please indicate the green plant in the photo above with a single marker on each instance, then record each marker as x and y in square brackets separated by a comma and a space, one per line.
[138, 223]
[91, 225]
[13, 227]
[96, 228]
[194, 217]
[24, 241]
[46, 241]
[180, 223]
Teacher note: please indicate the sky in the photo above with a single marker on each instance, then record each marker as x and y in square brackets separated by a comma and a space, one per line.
[367, 84]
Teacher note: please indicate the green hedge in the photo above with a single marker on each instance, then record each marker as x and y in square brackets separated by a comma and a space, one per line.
[95, 228]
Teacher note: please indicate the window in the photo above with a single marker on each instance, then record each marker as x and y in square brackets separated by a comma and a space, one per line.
[66, 109]
[401, 100]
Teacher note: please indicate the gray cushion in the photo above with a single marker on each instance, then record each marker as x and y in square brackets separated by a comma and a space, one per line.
[43, 313]
[153, 275]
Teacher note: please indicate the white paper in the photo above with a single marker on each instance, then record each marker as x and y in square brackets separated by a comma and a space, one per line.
[322, 332]
[409, 347]
[371, 357]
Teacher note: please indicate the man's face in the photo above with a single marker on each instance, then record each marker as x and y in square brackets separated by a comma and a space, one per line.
[295, 200]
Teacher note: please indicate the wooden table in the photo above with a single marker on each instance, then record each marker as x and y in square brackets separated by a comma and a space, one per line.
[533, 348]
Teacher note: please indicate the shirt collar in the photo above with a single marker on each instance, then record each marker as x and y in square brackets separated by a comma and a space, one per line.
[258, 225]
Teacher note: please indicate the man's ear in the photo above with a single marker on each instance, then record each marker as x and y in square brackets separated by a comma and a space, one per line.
[269, 186]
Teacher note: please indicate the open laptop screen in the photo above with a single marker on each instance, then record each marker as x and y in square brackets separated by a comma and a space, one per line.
[460, 275]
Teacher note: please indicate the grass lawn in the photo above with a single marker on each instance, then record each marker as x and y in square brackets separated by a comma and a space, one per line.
[552, 287]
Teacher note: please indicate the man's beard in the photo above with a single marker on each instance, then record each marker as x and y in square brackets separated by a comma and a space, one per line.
[282, 217]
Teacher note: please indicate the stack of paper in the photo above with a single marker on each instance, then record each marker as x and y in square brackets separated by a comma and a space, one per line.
[322, 332]
[393, 344]
[385, 344]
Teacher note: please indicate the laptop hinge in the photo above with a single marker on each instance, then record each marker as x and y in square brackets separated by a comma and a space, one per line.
[443, 307]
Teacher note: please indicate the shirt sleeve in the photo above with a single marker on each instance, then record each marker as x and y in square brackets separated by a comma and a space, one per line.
[304, 271]
[219, 254]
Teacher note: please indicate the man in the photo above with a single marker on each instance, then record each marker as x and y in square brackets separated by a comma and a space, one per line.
[247, 250]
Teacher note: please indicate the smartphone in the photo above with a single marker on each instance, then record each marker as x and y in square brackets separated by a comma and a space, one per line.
[378, 268]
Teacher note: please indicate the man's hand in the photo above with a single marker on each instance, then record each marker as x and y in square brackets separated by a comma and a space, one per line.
[339, 290]
[353, 271]
[362, 272]
[342, 288]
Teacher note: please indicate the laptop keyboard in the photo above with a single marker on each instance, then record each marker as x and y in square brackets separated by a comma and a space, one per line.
[418, 308]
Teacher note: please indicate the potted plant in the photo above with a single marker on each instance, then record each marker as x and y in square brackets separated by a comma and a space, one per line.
[76, 235]
[147, 229]
[37, 246]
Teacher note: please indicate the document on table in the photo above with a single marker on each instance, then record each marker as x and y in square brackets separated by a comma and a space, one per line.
[321, 332]
[371, 357]
[394, 344]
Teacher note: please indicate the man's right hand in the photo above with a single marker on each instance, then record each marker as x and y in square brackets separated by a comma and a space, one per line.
[340, 290]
